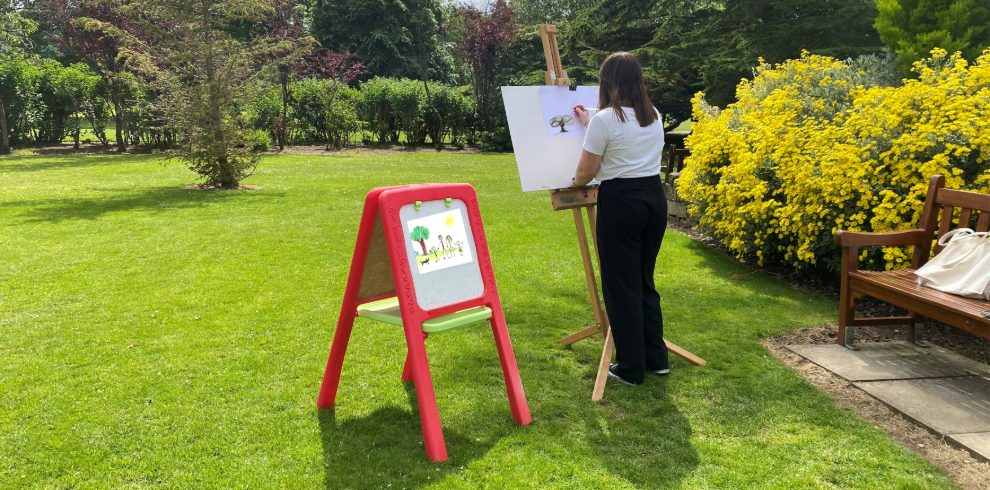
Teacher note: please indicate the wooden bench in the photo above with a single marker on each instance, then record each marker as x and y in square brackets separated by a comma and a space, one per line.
[675, 163]
[899, 287]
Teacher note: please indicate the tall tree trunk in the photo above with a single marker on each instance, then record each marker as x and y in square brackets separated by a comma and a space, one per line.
[118, 118]
[281, 130]
[78, 127]
[4, 139]
[226, 177]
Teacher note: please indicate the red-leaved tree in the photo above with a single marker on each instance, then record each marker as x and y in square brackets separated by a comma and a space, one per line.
[108, 36]
[298, 54]
[485, 34]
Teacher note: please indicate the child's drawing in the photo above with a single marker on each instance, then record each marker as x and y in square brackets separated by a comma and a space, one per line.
[558, 104]
[439, 241]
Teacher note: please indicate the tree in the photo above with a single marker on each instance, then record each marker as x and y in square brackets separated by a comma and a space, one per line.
[14, 32]
[386, 35]
[548, 11]
[687, 46]
[298, 55]
[15, 29]
[561, 121]
[485, 34]
[421, 234]
[110, 37]
[912, 28]
[14, 89]
[208, 76]
[79, 85]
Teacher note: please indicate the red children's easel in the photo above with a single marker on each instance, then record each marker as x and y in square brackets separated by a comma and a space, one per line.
[387, 282]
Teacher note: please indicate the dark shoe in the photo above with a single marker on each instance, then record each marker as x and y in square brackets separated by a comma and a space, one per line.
[612, 368]
[661, 372]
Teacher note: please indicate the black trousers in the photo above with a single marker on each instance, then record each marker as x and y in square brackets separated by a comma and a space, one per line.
[632, 218]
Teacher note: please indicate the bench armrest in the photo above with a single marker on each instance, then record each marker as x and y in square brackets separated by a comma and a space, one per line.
[858, 239]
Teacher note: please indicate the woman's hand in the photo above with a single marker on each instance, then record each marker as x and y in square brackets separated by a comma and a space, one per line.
[582, 114]
[587, 168]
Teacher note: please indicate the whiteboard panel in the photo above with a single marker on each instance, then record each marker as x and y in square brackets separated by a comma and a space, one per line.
[450, 273]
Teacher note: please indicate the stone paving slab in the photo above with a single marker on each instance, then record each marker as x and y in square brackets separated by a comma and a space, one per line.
[978, 442]
[946, 392]
[889, 361]
[947, 405]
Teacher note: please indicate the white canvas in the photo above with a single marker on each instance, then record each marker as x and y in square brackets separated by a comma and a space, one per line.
[439, 241]
[545, 156]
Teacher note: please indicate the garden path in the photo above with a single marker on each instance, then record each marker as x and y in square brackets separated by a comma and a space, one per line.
[947, 393]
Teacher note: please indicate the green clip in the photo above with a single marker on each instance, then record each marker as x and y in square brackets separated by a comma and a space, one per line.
[418, 205]
[447, 202]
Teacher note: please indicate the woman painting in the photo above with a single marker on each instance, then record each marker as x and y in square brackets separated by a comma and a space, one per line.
[622, 150]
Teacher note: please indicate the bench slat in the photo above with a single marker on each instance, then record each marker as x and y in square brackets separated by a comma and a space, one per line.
[904, 283]
[965, 217]
[906, 280]
[963, 199]
[983, 224]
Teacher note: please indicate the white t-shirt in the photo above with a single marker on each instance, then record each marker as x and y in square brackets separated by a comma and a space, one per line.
[628, 150]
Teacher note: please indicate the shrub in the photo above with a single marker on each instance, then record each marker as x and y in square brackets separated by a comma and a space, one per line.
[813, 145]
[376, 109]
[342, 116]
[451, 114]
[496, 140]
[259, 141]
[308, 99]
[264, 111]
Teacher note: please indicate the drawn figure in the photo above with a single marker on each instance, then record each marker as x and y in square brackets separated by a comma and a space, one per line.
[450, 242]
[443, 246]
[562, 121]
[460, 247]
[420, 234]
[426, 260]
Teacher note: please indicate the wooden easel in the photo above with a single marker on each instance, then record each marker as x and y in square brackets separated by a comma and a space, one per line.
[586, 198]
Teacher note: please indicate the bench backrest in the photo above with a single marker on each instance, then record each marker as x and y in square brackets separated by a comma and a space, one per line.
[942, 206]
[675, 161]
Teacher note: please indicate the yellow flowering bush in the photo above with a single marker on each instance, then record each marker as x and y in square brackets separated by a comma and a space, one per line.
[812, 146]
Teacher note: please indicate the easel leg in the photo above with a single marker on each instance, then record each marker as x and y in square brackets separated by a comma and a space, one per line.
[429, 415]
[335, 361]
[407, 366]
[602, 377]
[580, 335]
[510, 371]
[589, 276]
[684, 354]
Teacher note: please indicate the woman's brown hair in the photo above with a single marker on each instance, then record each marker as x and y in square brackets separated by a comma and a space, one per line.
[621, 80]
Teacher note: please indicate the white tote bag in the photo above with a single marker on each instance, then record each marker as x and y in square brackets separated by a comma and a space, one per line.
[963, 266]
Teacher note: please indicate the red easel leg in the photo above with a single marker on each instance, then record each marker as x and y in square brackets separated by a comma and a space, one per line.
[429, 415]
[513, 384]
[331, 376]
[406, 371]
[407, 368]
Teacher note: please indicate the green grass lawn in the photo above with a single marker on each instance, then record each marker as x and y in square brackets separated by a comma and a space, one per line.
[153, 335]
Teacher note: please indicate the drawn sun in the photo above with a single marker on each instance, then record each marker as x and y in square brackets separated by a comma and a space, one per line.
[450, 221]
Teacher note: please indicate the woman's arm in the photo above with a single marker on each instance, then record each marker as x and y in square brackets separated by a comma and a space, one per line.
[587, 168]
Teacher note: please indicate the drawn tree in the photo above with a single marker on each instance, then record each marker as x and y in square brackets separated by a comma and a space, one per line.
[421, 234]
[561, 121]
